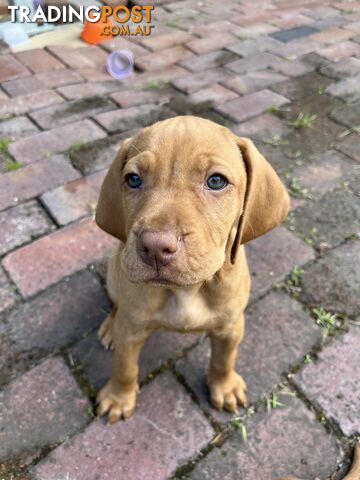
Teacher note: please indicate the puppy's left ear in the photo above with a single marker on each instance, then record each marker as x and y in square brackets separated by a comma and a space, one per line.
[110, 215]
[267, 202]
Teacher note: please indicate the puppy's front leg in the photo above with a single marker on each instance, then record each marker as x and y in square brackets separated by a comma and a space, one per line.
[227, 388]
[118, 396]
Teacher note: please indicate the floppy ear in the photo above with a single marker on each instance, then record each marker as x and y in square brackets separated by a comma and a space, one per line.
[110, 211]
[266, 200]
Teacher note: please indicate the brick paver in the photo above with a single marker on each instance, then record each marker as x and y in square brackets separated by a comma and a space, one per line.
[46, 261]
[74, 200]
[11, 68]
[166, 431]
[268, 264]
[40, 408]
[254, 67]
[53, 319]
[21, 224]
[251, 105]
[333, 384]
[32, 180]
[334, 281]
[7, 294]
[305, 449]
[69, 112]
[24, 103]
[39, 60]
[59, 139]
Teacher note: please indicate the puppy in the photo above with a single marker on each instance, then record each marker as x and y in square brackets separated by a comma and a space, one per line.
[182, 197]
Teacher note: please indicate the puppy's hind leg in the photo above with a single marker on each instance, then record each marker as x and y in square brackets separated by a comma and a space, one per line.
[105, 332]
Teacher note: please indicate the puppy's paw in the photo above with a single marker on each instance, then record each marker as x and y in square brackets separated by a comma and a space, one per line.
[105, 332]
[228, 392]
[117, 404]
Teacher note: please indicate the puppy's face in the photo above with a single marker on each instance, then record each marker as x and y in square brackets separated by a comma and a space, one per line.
[174, 195]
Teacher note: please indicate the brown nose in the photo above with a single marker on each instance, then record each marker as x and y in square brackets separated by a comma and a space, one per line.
[157, 249]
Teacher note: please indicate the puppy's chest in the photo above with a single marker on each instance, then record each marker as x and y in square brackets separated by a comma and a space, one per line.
[185, 311]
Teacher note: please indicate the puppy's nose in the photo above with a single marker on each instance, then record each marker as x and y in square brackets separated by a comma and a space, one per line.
[157, 249]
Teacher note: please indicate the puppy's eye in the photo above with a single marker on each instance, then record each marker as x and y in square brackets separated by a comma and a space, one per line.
[216, 182]
[133, 180]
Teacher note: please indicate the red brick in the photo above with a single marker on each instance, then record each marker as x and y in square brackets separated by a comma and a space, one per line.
[165, 413]
[332, 35]
[214, 59]
[81, 90]
[294, 68]
[334, 281]
[38, 60]
[24, 103]
[166, 40]
[195, 81]
[39, 409]
[97, 155]
[41, 81]
[261, 61]
[254, 31]
[324, 174]
[208, 44]
[294, 49]
[333, 382]
[33, 180]
[251, 105]
[133, 117]
[263, 357]
[146, 79]
[7, 294]
[267, 263]
[207, 29]
[340, 51]
[95, 74]
[17, 127]
[162, 58]
[74, 200]
[11, 68]
[21, 224]
[288, 440]
[348, 67]
[68, 112]
[264, 126]
[130, 98]
[245, 20]
[215, 94]
[291, 20]
[341, 211]
[83, 57]
[41, 146]
[53, 319]
[120, 42]
[49, 259]
[348, 89]
[248, 48]
[254, 81]
[159, 349]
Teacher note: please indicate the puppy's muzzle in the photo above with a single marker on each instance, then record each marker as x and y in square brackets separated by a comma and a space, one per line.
[157, 249]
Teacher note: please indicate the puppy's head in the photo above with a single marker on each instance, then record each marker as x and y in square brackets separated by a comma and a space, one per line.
[182, 196]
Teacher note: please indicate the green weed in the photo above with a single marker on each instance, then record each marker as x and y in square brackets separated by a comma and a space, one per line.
[304, 120]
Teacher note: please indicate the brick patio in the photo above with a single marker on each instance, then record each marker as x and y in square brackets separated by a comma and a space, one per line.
[254, 66]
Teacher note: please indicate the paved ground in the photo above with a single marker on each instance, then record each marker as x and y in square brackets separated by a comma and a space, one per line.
[256, 66]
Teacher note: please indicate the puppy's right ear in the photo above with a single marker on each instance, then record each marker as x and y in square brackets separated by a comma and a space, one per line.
[110, 215]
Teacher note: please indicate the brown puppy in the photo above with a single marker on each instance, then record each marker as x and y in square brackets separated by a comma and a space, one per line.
[182, 197]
